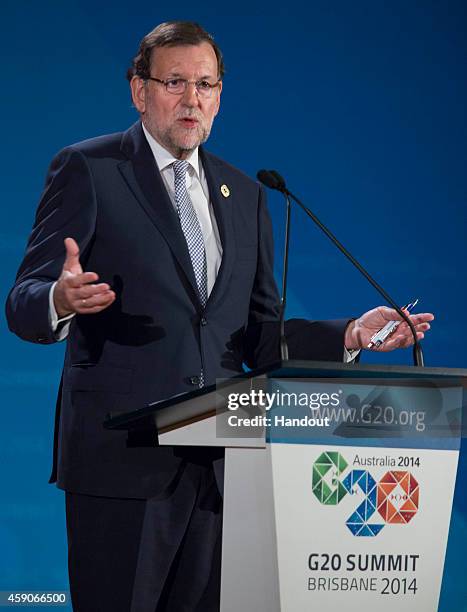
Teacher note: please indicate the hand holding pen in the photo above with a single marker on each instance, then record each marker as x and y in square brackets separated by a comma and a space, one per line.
[390, 327]
[382, 329]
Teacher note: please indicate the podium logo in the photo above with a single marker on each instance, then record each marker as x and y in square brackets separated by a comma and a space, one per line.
[394, 498]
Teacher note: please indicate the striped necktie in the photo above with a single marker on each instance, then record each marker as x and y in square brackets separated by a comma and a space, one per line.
[191, 229]
[193, 235]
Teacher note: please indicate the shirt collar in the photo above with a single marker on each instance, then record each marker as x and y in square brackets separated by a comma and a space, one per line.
[164, 158]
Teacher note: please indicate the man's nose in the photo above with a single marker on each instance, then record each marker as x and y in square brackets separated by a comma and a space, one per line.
[190, 96]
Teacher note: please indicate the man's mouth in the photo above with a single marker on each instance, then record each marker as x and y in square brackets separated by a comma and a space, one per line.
[188, 122]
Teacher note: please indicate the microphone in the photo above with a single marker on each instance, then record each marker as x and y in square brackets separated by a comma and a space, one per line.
[271, 179]
[274, 180]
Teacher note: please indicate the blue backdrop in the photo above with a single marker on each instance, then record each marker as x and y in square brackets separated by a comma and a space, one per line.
[361, 105]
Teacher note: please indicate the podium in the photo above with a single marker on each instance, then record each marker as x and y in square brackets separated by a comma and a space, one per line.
[339, 480]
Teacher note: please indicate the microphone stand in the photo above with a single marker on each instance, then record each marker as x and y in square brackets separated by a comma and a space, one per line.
[275, 181]
[283, 341]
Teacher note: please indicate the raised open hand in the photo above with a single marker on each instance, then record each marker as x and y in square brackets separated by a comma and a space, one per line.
[77, 291]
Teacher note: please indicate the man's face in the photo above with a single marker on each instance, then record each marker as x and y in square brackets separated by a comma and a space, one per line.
[179, 122]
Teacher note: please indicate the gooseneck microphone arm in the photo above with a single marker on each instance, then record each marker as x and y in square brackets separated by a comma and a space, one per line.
[274, 180]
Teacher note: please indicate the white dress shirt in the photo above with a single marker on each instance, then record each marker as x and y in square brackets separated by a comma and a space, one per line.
[198, 191]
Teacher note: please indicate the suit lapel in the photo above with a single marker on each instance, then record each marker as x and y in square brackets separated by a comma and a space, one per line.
[143, 178]
[223, 211]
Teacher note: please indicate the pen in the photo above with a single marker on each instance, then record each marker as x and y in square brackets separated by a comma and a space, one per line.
[381, 335]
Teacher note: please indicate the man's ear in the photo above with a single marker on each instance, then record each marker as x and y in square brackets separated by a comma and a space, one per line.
[138, 93]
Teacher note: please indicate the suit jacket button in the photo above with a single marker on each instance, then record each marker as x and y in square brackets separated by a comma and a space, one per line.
[204, 321]
[194, 380]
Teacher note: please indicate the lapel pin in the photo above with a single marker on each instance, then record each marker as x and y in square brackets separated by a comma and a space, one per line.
[225, 191]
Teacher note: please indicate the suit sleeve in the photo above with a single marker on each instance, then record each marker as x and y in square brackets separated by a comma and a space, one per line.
[67, 208]
[307, 340]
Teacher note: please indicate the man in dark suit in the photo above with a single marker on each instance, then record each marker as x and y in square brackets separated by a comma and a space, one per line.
[165, 284]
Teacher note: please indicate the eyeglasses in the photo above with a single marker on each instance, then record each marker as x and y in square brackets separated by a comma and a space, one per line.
[178, 86]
